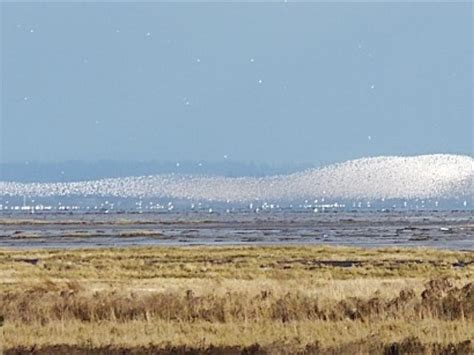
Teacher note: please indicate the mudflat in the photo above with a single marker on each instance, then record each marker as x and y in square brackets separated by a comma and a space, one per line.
[433, 229]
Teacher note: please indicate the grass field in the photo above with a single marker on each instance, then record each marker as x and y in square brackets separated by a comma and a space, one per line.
[237, 299]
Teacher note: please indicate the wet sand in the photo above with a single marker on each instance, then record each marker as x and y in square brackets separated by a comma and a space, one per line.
[434, 229]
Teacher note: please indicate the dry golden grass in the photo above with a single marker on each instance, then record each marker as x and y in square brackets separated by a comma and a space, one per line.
[204, 334]
[284, 299]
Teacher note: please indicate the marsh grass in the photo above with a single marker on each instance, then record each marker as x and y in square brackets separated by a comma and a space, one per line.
[280, 299]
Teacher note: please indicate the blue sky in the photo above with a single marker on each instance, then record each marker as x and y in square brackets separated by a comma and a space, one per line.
[274, 83]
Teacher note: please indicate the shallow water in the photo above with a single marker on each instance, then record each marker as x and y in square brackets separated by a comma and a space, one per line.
[435, 229]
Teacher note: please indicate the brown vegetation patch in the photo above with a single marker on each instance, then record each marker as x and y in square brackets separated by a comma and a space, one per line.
[54, 302]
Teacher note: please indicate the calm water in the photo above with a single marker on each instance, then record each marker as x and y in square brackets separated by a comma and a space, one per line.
[451, 230]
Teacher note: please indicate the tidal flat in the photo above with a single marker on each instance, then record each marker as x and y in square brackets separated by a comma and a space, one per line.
[237, 299]
[432, 229]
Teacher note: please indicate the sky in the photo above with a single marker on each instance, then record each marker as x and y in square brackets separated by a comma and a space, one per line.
[246, 82]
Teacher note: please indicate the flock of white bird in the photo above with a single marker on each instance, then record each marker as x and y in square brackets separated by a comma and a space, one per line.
[417, 177]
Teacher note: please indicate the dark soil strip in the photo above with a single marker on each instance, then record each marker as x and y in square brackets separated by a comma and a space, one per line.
[409, 345]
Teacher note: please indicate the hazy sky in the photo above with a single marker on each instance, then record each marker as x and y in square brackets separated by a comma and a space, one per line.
[280, 82]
